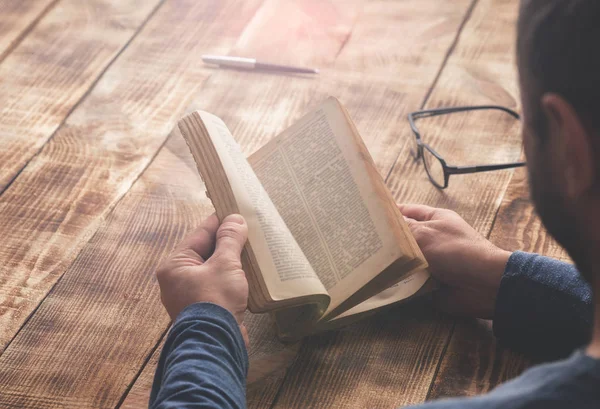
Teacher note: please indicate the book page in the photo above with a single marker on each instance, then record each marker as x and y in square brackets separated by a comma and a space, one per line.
[314, 174]
[285, 269]
[395, 293]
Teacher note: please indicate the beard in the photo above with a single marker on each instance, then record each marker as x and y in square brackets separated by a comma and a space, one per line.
[556, 214]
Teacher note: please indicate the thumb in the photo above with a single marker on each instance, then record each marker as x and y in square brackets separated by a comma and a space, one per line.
[412, 223]
[231, 237]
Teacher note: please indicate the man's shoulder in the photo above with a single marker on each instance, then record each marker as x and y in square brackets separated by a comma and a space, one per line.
[570, 383]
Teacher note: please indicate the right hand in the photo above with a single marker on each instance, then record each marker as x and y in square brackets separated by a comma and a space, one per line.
[469, 266]
[206, 267]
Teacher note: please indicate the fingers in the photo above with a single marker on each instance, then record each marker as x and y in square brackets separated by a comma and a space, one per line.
[231, 237]
[414, 215]
[412, 223]
[202, 240]
[417, 212]
[419, 231]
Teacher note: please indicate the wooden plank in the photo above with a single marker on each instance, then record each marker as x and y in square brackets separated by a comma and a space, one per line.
[518, 227]
[219, 96]
[43, 78]
[138, 396]
[63, 195]
[61, 357]
[269, 360]
[475, 362]
[287, 32]
[17, 17]
[398, 78]
[384, 362]
[87, 341]
[372, 105]
[480, 71]
[378, 90]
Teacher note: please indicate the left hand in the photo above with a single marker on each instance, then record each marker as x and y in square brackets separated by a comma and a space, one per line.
[469, 266]
[206, 267]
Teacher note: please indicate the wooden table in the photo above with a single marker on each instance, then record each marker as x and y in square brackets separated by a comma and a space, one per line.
[94, 192]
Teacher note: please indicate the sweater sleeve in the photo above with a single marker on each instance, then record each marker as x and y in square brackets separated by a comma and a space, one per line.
[544, 307]
[204, 362]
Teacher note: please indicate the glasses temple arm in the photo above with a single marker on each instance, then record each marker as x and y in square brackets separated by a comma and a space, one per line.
[441, 111]
[413, 116]
[459, 170]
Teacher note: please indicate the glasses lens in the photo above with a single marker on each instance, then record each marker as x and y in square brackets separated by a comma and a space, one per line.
[434, 168]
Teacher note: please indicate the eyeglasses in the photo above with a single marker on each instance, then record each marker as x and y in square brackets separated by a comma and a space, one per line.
[437, 169]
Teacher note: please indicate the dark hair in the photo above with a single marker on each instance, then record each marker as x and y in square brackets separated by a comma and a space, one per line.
[558, 48]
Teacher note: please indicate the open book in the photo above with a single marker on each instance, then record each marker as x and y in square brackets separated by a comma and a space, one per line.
[326, 241]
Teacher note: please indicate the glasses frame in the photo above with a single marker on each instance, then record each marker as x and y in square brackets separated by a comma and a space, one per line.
[448, 169]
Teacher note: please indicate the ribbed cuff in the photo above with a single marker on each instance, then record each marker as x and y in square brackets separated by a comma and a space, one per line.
[508, 303]
[206, 311]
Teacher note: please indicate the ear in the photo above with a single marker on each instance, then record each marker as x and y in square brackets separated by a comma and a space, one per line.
[575, 142]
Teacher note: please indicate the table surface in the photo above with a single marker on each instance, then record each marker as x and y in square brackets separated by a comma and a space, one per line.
[94, 191]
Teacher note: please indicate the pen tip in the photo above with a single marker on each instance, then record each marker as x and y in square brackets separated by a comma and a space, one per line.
[316, 70]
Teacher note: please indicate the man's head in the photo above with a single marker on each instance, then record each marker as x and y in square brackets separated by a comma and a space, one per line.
[558, 52]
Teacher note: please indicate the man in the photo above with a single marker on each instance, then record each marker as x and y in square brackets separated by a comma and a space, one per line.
[537, 304]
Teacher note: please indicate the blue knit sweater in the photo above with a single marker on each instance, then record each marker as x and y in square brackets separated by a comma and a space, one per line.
[544, 308]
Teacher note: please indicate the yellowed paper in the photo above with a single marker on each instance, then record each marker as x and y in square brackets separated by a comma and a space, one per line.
[314, 175]
[286, 271]
[397, 292]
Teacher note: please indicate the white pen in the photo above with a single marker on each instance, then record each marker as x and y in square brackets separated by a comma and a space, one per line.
[252, 64]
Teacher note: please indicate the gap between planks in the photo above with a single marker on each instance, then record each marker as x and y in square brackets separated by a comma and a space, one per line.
[83, 96]
[17, 40]
[159, 86]
[428, 93]
[439, 73]
[224, 43]
[457, 326]
[163, 336]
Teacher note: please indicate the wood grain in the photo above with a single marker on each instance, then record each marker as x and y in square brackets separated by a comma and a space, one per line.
[378, 91]
[481, 70]
[54, 66]
[17, 17]
[61, 198]
[89, 338]
[474, 74]
[269, 360]
[86, 341]
[287, 32]
[475, 363]
[384, 362]
[139, 395]
[271, 102]
[518, 227]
